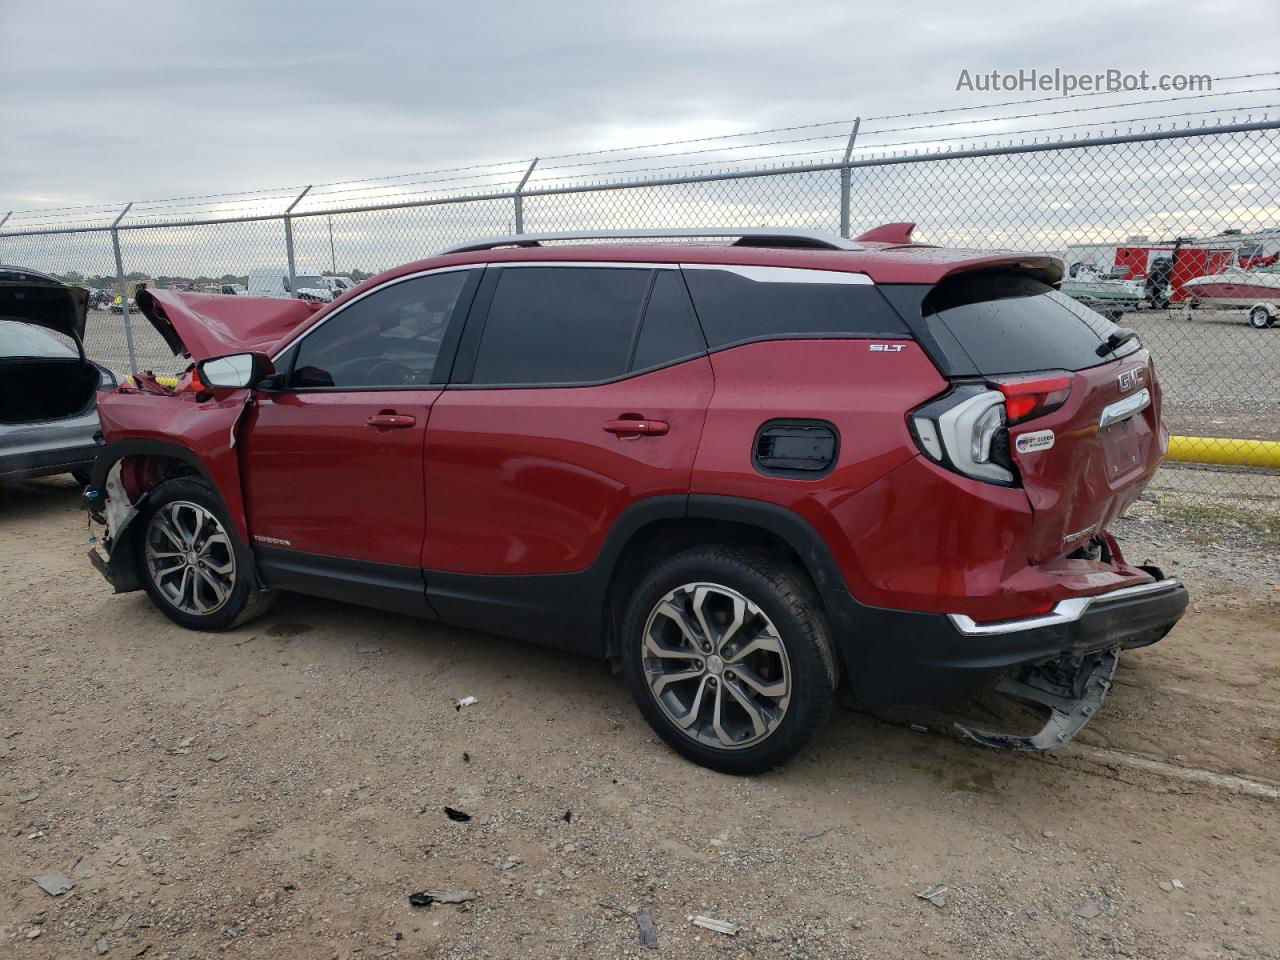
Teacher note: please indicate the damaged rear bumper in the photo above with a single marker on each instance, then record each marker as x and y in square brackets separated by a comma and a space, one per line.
[897, 658]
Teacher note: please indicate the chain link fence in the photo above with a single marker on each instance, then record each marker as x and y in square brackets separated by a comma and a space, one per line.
[1176, 233]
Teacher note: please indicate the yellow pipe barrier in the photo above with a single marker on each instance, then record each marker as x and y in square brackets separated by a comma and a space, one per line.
[1225, 451]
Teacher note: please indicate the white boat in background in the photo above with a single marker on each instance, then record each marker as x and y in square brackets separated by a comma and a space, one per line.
[1258, 290]
[1085, 282]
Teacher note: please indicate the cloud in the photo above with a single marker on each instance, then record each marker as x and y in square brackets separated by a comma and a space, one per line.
[115, 101]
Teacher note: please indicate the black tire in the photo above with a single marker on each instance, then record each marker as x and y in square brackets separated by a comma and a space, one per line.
[244, 601]
[1260, 319]
[788, 599]
[83, 476]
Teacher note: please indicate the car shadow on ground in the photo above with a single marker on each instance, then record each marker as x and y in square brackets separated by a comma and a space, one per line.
[43, 493]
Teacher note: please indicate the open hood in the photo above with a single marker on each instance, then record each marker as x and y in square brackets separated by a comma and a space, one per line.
[44, 303]
[204, 325]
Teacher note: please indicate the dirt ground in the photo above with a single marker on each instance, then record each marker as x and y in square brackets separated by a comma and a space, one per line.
[279, 792]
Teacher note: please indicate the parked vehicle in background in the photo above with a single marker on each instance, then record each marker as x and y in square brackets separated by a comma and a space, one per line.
[337, 286]
[274, 282]
[48, 389]
[234, 289]
[748, 473]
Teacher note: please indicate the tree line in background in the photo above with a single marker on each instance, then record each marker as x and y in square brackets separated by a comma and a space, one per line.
[165, 282]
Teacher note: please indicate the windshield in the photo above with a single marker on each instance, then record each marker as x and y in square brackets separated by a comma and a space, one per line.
[308, 282]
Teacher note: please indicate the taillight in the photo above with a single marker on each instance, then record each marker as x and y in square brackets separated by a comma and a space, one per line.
[964, 430]
[1029, 397]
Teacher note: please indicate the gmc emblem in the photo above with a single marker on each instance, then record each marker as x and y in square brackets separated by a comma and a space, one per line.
[1131, 379]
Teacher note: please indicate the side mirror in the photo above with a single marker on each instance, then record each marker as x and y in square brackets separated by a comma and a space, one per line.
[236, 371]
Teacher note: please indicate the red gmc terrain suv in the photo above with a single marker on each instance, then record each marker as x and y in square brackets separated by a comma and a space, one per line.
[748, 470]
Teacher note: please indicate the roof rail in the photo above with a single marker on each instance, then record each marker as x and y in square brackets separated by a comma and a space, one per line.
[744, 237]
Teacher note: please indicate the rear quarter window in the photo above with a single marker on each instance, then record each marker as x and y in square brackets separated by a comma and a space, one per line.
[737, 305]
[1008, 323]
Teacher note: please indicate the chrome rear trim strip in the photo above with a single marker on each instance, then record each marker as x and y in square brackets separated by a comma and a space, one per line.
[1066, 611]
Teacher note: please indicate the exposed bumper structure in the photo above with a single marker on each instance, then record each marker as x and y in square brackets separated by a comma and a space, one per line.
[898, 658]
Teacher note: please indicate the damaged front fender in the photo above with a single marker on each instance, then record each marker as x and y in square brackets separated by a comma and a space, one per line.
[127, 469]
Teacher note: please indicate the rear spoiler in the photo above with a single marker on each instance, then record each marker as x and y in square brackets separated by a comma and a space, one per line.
[1047, 269]
[204, 325]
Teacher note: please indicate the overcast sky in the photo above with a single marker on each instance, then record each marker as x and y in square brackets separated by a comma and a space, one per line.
[110, 101]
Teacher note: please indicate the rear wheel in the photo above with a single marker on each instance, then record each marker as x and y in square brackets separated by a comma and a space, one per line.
[1260, 318]
[728, 654]
[193, 566]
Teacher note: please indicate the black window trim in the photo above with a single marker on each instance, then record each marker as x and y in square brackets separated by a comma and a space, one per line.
[448, 346]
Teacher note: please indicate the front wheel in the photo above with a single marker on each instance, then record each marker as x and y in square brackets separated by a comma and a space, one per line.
[728, 653]
[193, 566]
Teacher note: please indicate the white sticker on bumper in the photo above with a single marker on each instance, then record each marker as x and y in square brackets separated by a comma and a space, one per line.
[1034, 442]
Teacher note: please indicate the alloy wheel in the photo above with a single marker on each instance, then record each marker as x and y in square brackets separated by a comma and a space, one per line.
[716, 665]
[189, 558]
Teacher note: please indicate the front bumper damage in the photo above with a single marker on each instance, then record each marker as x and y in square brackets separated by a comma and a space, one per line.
[110, 508]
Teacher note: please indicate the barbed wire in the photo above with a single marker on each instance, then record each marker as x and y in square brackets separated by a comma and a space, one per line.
[499, 174]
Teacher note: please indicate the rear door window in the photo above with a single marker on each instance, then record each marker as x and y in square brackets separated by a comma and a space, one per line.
[740, 304]
[560, 325]
[1015, 324]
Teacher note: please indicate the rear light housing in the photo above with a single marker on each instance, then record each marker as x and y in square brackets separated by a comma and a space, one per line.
[962, 429]
[1026, 398]
[967, 428]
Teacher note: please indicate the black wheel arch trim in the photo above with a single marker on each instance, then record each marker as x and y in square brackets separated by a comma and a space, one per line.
[572, 610]
[113, 453]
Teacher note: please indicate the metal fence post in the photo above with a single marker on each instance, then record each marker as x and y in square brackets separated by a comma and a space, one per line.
[288, 241]
[124, 291]
[519, 198]
[846, 179]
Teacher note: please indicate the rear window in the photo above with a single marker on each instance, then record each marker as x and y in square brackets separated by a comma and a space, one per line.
[24, 340]
[738, 304]
[1015, 324]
